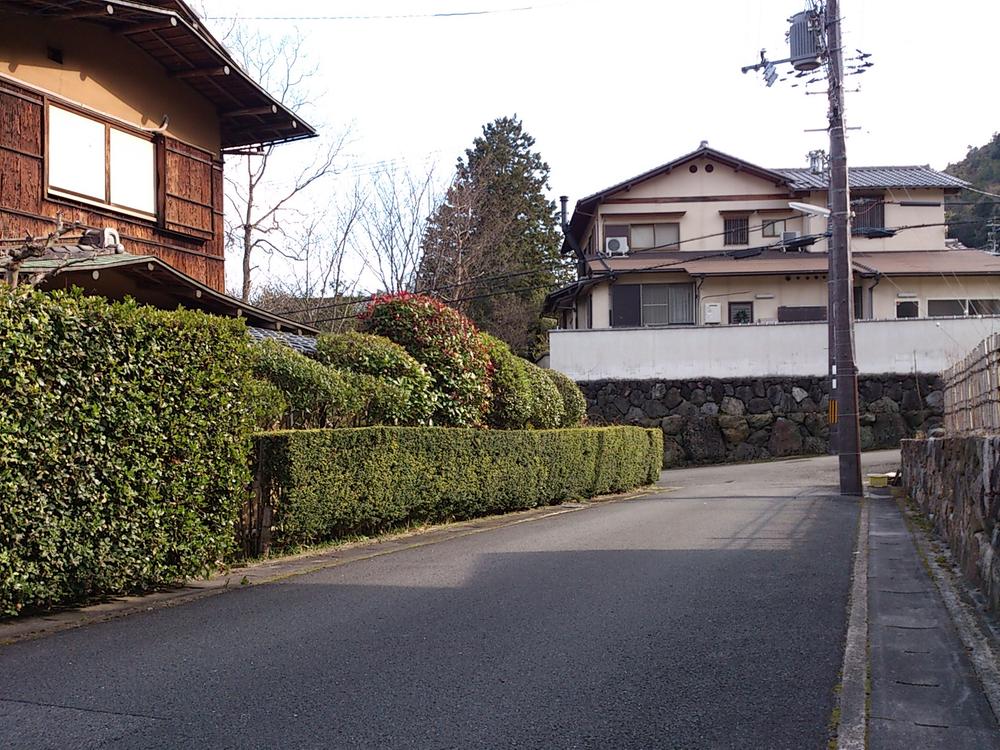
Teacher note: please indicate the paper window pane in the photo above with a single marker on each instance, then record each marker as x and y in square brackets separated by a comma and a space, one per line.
[76, 154]
[642, 236]
[133, 173]
[666, 235]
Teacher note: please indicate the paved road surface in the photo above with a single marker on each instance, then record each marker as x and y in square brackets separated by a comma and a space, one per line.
[708, 616]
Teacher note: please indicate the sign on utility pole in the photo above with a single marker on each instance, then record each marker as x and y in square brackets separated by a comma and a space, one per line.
[815, 40]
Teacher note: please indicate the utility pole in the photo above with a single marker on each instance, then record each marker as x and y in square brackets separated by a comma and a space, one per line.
[840, 279]
[814, 39]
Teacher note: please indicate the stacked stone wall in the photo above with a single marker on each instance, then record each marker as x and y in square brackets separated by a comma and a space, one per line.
[956, 483]
[716, 421]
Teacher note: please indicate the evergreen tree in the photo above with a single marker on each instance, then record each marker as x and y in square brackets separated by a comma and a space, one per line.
[491, 247]
[970, 212]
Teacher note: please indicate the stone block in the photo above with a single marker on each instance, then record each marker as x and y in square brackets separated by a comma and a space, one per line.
[760, 421]
[672, 425]
[734, 429]
[673, 398]
[673, 453]
[703, 440]
[698, 396]
[799, 394]
[758, 406]
[709, 408]
[732, 406]
[786, 440]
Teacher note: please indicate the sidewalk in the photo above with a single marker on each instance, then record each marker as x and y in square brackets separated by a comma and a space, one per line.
[925, 692]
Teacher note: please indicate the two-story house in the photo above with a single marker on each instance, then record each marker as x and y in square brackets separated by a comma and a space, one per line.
[118, 115]
[709, 240]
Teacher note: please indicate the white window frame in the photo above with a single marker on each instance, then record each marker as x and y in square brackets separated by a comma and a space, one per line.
[126, 137]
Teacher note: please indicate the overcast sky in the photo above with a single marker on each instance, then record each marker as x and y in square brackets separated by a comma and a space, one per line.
[611, 89]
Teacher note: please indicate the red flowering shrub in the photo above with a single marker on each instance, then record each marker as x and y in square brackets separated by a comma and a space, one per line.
[448, 345]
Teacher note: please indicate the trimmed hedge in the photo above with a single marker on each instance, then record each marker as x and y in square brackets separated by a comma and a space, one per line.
[546, 402]
[447, 344]
[510, 408]
[124, 433]
[316, 395]
[329, 484]
[377, 356]
[574, 402]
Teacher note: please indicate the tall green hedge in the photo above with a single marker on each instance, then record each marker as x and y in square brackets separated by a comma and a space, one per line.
[327, 484]
[574, 402]
[124, 433]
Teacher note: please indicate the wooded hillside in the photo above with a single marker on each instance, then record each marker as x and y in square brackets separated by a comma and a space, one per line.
[969, 212]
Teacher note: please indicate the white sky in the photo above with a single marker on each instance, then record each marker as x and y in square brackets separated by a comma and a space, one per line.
[610, 89]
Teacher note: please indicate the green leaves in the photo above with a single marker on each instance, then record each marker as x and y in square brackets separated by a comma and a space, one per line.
[330, 484]
[124, 434]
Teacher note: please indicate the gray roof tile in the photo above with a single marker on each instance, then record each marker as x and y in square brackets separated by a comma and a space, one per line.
[876, 177]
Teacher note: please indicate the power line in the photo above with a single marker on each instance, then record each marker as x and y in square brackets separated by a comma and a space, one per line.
[385, 17]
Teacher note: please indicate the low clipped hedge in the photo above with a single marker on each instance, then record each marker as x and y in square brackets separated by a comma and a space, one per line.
[323, 485]
[124, 433]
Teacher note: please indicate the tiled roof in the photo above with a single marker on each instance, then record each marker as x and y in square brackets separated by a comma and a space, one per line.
[876, 177]
[302, 344]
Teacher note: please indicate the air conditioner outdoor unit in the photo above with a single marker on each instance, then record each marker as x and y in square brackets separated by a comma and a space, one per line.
[713, 313]
[789, 236]
[616, 246]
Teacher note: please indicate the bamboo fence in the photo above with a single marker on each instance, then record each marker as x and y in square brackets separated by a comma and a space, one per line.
[972, 391]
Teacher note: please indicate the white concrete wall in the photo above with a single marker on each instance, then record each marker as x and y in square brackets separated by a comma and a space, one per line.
[882, 346]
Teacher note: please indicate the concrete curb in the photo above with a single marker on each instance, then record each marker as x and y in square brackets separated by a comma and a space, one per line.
[282, 568]
[853, 697]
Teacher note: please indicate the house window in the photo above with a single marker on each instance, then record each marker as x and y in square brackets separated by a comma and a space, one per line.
[945, 308]
[773, 228]
[97, 162]
[664, 236]
[737, 230]
[907, 309]
[869, 213]
[740, 313]
[635, 305]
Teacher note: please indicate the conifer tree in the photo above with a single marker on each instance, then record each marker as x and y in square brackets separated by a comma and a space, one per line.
[491, 247]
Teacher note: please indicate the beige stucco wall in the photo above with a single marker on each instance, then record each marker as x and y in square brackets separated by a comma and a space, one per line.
[942, 286]
[769, 292]
[706, 195]
[106, 73]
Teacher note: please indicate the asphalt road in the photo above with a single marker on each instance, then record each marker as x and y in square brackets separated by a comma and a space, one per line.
[708, 616]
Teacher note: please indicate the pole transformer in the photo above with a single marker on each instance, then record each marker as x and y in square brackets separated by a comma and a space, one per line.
[840, 280]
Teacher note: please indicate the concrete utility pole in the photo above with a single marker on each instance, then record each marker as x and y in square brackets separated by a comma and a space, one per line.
[840, 279]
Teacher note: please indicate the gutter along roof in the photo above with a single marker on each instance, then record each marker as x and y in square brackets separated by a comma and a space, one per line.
[171, 33]
[150, 281]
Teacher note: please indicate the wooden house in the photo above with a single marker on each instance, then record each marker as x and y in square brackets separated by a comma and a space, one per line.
[118, 115]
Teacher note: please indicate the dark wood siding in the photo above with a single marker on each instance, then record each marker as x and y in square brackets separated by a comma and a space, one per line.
[188, 234]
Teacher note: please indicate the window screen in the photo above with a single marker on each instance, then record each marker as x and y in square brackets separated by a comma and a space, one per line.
[740, 313]
[681, 303]
[907, 309]
[667, 236]
[642, 236]
[943, 308]
[984, 307]
[655, 304]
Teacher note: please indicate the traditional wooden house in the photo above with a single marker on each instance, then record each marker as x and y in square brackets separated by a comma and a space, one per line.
[117, 115]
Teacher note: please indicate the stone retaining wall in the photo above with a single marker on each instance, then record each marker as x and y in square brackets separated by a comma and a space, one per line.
[715, 421]
[956, 482]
